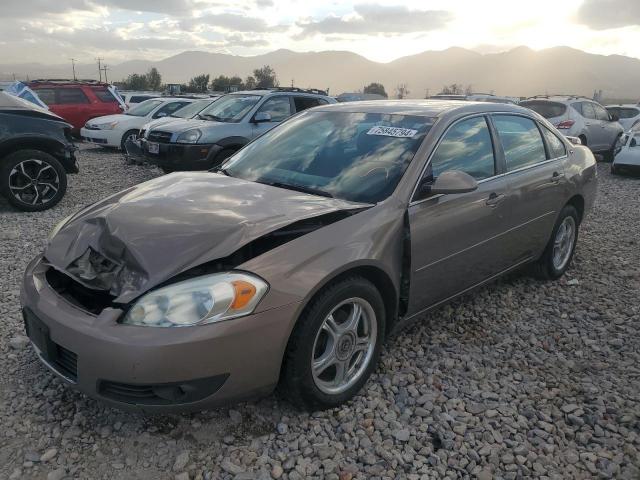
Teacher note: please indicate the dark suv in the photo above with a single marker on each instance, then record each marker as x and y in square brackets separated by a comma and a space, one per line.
[36, 153]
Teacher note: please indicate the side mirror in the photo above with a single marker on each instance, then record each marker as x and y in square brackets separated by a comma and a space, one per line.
[451, 182]
[261, 117]
[161, 114]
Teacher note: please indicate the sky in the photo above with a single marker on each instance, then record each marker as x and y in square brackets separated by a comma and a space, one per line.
[53, 31]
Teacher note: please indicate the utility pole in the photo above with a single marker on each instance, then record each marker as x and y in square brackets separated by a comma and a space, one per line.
[292, 80]
[99, 67]
[105, 73]
[73, 66]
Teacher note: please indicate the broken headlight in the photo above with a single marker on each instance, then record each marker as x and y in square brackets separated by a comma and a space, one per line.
[202, 300]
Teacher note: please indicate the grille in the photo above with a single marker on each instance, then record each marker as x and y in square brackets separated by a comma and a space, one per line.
[66, 362]
[92, 301]
[160, 137]
[128, 393]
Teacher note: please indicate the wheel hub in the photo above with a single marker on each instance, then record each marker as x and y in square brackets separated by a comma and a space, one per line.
[345, 346]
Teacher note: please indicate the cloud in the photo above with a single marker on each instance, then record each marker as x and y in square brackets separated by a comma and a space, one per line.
[27, 8]
[226, 21]
[370, 19]
[158, 6]
[605, 14]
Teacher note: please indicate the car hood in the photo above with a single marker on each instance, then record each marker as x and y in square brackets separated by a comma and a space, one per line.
[143, 236]
[118, 117]
[182, 125]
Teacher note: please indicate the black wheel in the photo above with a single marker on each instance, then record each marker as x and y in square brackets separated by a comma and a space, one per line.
[335, 345]
[32, 180]
[614, 170]
[610, 154]
[222, 156]
[128, 135]
[167, 169]
[559, 251]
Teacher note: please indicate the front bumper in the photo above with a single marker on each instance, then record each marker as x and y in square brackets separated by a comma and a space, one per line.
[181, 157]
[149, 368]
[104, 138]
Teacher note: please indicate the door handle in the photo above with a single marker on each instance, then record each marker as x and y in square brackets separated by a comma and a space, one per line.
[556, 176]
[494, 199]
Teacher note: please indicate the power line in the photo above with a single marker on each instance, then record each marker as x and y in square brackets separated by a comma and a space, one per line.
[99, 67]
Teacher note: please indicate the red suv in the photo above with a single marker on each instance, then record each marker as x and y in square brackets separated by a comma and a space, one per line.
[77, 101]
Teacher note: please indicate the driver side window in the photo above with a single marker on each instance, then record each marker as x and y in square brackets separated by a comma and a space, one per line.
[467, 147]
[278, 107]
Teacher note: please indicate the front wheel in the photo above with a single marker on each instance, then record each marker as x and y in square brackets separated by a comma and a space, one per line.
[32, 180]
[559, 251]
[128, 135]
[335, 345]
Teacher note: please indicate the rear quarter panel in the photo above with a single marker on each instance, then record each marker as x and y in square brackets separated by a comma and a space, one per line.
[581, 172]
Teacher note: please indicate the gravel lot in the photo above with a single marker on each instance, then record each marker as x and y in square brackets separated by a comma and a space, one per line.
[520, 379]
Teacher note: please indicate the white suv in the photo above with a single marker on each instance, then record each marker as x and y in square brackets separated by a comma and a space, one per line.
[580, 117]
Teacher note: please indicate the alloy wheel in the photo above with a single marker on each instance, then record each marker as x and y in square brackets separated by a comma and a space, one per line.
[344, 346]
[563, 243]
[34, 182]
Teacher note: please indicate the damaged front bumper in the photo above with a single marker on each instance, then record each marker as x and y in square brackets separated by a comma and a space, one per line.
[148, 368]
[180, 156]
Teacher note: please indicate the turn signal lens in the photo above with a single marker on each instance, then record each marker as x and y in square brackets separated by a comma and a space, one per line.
[244, 292]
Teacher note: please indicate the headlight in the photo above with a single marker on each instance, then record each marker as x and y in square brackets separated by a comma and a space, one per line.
[59, 226]
[190, 136]
[206, 299]
[106, 126]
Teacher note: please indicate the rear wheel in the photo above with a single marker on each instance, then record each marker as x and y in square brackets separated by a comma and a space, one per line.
[335, 345]
[559, 251]
[32, 180]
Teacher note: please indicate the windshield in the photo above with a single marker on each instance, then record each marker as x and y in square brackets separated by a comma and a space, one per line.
[144, 108]
[190, 110]
[353, 156]
[230, 108]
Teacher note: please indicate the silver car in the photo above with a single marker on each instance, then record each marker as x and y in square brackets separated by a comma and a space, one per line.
[580, 117]
[223, 128]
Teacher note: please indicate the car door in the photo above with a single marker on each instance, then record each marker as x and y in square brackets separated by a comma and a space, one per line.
[73, 105]
[534, 160]
[595, 134]
[610, 128]
[456, 238]
[278, 107]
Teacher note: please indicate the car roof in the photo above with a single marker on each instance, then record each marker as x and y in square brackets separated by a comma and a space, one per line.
[279, 91]
[424, 108]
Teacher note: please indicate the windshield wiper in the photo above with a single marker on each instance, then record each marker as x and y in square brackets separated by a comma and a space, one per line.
[300, 188]
[206, 116]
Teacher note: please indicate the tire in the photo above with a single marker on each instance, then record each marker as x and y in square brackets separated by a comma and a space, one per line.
[222, 156]
[310, 341]
[23, 166]
[548, 267]
[614, 170]
[610, 154]
[126, 136]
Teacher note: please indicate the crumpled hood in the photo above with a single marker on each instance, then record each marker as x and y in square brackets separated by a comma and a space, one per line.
[143, 236]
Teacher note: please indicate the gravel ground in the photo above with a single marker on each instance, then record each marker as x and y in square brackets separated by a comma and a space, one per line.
[520, 379]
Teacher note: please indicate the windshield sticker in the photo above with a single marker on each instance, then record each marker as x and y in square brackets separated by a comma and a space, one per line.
[392, 132]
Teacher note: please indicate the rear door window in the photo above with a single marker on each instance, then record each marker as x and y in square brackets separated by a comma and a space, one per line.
[546, 108]
[554, 144]
[467, 147]
[521, 141]
[104, 95]
[47, 95]
[588, 111]
[71, 96]
[302, 103]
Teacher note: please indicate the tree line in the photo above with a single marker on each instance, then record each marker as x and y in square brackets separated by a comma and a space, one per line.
[264, 77]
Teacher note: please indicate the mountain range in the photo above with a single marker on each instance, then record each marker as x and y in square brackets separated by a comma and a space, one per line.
[517, 72]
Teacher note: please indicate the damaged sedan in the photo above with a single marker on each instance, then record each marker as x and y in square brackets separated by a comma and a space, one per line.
[292, 263]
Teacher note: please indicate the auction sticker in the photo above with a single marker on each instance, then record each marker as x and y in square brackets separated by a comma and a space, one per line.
[392, 132]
